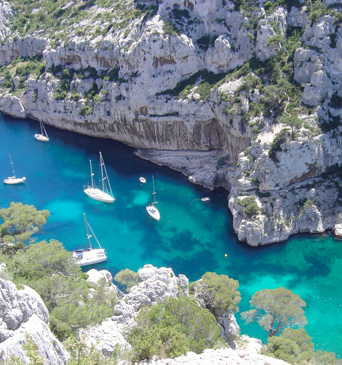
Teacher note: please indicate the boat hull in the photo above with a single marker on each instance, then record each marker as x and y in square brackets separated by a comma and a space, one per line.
[99, 195]
[142, 180]
[41, 138]
[153, 212]
[14, 180]
[90, 256]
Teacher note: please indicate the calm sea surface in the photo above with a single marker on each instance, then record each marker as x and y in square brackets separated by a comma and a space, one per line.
[192, 237]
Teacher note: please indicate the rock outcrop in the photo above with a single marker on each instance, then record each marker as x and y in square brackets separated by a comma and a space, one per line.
[24, 317]
[154, 286]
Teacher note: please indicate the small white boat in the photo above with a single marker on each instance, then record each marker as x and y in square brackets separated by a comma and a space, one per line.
[12, 180]
[151, 209]
[90, 255]
[105, 194]
[206, 199]
[142, 179]
[42, 136]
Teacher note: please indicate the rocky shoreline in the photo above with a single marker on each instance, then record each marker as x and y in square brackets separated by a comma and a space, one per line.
[282, 179]
[25, 317]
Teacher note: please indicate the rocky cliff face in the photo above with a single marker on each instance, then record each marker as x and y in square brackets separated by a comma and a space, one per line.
[196, 84]
[24, 317]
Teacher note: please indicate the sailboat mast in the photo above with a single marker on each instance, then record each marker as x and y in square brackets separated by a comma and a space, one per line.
[91, 175]
[42, 128]
[87, 229]
[12, 165]
[101, 167]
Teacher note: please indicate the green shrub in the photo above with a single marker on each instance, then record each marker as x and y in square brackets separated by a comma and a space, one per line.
[293, 346]
[278, 140]
[219, 293]
[173, 328]
[127, 279]
[86, 110]
[169, 29]
[53, 272]
[250, 206]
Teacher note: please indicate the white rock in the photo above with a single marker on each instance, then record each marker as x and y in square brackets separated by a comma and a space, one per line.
[219, 357]
[22, 314]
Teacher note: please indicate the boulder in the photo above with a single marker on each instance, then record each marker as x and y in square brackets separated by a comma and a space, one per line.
[24, 317]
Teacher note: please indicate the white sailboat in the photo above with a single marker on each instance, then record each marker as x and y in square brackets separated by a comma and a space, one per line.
[42, 136]
[12, 180]
[90, 256]
[151, 209]
[104, 194]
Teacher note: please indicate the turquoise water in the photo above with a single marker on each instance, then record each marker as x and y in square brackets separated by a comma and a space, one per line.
[192, 237]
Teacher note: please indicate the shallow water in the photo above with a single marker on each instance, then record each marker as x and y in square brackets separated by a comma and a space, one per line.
[192, 237]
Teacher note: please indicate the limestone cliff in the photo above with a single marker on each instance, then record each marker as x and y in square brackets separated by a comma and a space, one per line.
[24, 317]
[195, 85]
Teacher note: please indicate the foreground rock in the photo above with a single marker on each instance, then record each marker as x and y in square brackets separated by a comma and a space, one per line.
[219, 357]
[24, 317]
[154, 285]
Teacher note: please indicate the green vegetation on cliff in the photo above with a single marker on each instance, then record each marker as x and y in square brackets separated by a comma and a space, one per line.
[173, 328]
[52, 271]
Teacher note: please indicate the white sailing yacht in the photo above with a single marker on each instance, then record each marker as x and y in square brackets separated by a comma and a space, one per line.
[12, 180]
[90, 256]
[42, 136]
[151, 209]
[104, 194]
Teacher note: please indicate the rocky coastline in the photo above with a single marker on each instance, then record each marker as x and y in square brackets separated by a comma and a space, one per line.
[126, 84]
[25, 318]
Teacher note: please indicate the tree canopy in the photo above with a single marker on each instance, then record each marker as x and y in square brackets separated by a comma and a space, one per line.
[53, 272]
[173, 328]
[218, 293]
[275, 310]
[127, 278]
[293, 346]
[21, 222]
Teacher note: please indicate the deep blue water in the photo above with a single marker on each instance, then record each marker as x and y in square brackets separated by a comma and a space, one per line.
[192, 237]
